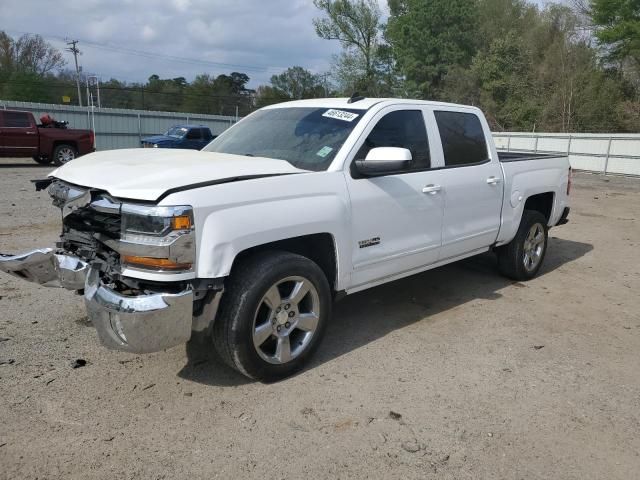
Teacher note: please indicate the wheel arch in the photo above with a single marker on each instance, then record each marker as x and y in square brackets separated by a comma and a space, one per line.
[321, 248]
[541, 202]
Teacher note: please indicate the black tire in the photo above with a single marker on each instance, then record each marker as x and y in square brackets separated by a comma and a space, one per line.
[511, 257]
[243, 303]
[63, 154]
[42, 160]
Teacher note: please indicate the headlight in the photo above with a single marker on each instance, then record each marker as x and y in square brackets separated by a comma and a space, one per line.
[155, 145]
[157, 238]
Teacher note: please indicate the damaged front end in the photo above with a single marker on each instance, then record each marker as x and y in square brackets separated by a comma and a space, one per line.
[132, 262]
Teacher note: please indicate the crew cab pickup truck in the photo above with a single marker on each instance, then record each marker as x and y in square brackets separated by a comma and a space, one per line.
[191, 137]
[21, 136]
[252, 239]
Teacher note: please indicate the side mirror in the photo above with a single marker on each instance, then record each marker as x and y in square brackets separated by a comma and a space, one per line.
[384, 160]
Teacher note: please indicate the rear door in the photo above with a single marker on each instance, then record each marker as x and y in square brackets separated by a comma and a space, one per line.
[18, 134]
[396, 225]
[472, 185]
[206, 137]
[193, 139]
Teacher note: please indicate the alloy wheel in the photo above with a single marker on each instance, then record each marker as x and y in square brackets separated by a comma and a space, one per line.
[286, 319]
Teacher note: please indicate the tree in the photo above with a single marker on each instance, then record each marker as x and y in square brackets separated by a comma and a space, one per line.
[297, 83]
[29, 54]
[294, 83]
[617, 25]
[429, 37]
[507, 89]
[356, 25]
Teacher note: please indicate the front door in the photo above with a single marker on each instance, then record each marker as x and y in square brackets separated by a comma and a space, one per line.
[396, 224]
[18, 134]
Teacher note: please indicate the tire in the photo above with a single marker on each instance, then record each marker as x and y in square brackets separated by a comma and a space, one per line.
[252, 330]
[63, 154]
[522, 258]
[42, 160]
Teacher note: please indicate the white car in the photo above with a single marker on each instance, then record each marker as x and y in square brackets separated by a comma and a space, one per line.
[251, 239]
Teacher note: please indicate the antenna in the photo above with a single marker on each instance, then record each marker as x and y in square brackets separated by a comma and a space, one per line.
[356, 97]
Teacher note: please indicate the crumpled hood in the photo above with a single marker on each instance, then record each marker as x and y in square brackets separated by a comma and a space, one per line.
[146, 174]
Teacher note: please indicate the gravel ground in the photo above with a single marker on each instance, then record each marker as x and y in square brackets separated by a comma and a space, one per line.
[454, 373]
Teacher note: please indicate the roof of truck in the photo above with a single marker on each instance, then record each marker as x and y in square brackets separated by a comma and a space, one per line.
[362, 104]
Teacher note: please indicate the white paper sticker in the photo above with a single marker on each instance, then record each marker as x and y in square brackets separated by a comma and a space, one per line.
[340, 115]
[324, 151]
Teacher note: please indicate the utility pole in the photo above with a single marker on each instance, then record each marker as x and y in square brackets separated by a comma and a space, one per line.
[73, 49]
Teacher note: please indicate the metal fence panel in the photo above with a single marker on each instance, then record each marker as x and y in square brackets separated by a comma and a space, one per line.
[597, 152]
[120, 128]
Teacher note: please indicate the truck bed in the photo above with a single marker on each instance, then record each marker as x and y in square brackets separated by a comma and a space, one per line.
[504, 156]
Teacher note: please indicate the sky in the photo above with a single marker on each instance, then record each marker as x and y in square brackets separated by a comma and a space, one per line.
[133, 39]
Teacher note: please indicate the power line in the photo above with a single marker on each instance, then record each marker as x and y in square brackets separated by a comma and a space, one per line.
[147, 54]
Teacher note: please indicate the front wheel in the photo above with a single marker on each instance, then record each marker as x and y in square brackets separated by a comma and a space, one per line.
[63, 154]
[273, 315]
[522, 258]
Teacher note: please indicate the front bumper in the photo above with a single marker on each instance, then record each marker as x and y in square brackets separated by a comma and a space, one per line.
[139, 323]
[144, 323]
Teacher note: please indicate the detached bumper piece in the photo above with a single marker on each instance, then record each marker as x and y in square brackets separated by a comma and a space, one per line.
[138, 324]
[47, 268]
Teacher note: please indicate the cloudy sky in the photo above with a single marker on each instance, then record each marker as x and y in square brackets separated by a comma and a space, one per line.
[132, 39]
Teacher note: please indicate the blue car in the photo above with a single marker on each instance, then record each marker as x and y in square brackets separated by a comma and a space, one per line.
[193, 137]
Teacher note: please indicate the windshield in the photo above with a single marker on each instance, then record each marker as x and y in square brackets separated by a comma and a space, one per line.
[177, 132]
[307, 138]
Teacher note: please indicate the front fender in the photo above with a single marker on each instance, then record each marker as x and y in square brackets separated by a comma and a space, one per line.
[231, 218]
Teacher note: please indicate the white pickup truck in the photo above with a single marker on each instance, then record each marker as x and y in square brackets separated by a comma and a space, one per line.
[251, 239]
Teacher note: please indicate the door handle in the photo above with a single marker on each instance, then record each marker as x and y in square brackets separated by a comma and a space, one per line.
[493, 180]
[30, 133]
[431, 189]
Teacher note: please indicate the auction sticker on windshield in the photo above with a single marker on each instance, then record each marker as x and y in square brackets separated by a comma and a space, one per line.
[340, 115]
[324, 151]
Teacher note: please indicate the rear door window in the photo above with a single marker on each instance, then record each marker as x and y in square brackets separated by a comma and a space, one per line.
[193, 134]
[463, 140]
[403, 129]
[16, 120]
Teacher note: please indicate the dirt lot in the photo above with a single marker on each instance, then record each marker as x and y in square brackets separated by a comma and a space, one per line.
[455, 373]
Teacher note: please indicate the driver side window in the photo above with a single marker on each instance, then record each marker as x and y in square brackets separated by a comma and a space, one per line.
[403, 129]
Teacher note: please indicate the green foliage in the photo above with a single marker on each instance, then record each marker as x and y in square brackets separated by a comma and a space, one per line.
[618, 23]
[429, 37]
[537, 70]
[297, 83]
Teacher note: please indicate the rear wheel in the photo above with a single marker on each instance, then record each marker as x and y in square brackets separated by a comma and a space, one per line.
[63, 154]
[522, 258]
[273, 315]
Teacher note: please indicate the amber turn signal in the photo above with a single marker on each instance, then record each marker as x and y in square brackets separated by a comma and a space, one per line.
[155, 263]
[181, 222]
